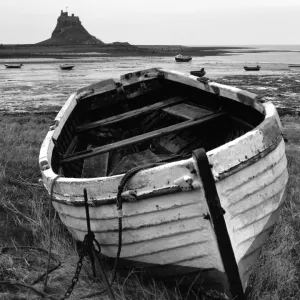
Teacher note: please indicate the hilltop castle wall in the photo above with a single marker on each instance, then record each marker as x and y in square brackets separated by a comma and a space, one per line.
[65, 19]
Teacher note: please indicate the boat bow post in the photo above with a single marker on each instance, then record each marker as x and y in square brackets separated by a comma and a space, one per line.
[216, 216]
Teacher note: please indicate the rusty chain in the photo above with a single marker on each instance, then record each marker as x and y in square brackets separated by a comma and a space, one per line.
[75, 279]
[88, 249]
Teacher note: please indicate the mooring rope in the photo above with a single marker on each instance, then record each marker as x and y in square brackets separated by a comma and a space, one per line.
[50, 228]
[121, 187]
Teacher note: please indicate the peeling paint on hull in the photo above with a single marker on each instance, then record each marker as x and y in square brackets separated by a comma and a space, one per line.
[167, 225]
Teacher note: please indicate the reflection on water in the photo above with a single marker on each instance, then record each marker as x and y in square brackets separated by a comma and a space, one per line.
[42, 86]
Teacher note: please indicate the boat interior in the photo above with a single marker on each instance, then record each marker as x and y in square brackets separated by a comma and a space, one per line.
[151, 121]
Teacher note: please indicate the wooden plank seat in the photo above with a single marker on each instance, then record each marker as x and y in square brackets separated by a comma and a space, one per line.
[187, 111]
[130, 114]
[140, 138]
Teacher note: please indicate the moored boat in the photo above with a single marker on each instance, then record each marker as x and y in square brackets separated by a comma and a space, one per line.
[157, 120]
[255, 68]
[183, 58]
[294, 66]
[198, 73]
[13, 66]
[66, 67]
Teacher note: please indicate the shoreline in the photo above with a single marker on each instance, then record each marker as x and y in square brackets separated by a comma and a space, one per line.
[88, 51]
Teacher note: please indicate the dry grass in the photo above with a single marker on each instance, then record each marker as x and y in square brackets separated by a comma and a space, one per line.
[24, 222]
[277, 275]
[24, 207]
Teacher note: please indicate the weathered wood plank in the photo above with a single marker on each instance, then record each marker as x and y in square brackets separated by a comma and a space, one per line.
[95, 166]
[69, 150]
[139, 76]
[187, 111]
[142, 88]
[140, 138]
[72, 145]
[133, 160]
[247, 125]
[130, 114]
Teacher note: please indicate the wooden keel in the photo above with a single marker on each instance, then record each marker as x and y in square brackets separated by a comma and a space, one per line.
[140, 138]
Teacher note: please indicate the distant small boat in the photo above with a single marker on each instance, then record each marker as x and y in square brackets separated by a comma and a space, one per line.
[66, 67]
[182, 58]
[257, 68]
[294, 66]
[198, 73]
[13, 66]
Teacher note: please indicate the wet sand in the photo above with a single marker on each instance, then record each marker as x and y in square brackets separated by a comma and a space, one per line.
[281, 89]
[41, 86]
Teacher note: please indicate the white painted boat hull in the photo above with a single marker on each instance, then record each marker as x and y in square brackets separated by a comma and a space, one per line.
[170, 229]
[168, 225]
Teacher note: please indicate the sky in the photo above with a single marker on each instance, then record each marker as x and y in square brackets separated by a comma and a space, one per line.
[158, 22]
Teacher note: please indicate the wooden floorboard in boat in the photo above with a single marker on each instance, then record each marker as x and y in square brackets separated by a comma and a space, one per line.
[95, 166]
[187, 111]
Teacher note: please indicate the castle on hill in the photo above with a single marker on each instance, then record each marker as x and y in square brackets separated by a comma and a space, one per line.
[64, 17]
[70, 31]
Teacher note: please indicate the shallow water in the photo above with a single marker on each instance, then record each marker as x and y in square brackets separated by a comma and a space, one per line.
[42, 86]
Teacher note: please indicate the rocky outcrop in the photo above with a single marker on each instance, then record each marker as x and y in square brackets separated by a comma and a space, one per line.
[69, 31]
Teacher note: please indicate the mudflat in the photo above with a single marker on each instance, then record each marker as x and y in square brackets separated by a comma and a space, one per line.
[65, 51]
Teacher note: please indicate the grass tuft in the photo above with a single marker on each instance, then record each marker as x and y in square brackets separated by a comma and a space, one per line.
[277, 275]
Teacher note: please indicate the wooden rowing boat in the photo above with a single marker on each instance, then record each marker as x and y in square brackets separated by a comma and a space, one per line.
[189, 214]
[183, 58]
[66, 67]
[255, 68]
[13, 66]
